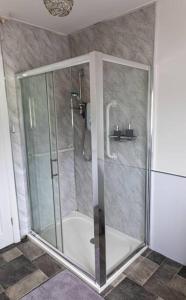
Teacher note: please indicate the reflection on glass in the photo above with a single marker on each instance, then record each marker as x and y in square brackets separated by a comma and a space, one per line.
[125, 117]
[38, 143]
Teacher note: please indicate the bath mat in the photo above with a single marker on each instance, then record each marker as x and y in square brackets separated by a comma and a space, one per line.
[64, 286]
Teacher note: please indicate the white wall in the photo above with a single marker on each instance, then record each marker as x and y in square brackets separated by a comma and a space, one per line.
[168, 216]
[168, 209]
[9, 233]
[170, 87]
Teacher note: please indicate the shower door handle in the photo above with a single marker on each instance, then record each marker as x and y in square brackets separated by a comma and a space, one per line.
[109, 106]
[30, 112]
[53, 174]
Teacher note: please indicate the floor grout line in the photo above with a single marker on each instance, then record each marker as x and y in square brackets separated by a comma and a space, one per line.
[40, 258]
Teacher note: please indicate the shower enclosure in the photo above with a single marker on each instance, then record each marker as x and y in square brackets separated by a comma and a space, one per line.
[87, 136]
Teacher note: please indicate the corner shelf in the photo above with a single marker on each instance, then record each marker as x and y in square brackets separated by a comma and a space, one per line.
[123, 138]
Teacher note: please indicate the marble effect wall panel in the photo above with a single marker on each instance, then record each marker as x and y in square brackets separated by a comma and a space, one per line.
[82, 142]
[129, 88]
[25, 47]
[125, 177]
[130, 37]
[65, 140]
[67, 182]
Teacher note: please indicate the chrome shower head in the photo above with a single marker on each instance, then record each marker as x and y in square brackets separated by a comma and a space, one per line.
[74, 94]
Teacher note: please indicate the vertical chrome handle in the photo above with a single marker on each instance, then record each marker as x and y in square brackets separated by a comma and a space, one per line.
[30, 112]
[109, 106]
[52, 169]
[34, 112]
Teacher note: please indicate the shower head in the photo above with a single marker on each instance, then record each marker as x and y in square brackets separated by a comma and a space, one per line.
[74, 94]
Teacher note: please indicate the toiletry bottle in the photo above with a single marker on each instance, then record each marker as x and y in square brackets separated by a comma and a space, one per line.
[129, 131]
[117, 133]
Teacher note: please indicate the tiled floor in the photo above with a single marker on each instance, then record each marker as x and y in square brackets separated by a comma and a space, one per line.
[23, 267]
[152, 276]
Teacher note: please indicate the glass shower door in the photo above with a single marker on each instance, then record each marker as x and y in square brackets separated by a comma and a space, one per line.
[126, 110]
[72, 98]
[40, 135]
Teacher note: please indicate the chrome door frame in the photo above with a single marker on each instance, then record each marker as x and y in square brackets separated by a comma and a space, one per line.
[95, 60]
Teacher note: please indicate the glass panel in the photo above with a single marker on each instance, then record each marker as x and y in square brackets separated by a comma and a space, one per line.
[38, 143]
[72, 97]
[54, 158]
[125, 117]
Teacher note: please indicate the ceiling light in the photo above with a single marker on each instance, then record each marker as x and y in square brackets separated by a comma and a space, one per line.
[60, 8]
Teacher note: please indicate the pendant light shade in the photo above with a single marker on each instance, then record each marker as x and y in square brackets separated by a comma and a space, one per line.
[60, 8]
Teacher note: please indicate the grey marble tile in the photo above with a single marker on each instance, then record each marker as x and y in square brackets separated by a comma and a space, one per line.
[156, 257]
[125, 198]
[11, 254]
[141, 270]
[30, 250]
[178, 283]
[130, 36]
[119, 279]
[146, 252]
[129, 290]
[67, 182]
[48, 265]
[159, 283]
[182, 272]
[129, 88]
[24, 286]
[36, 47]
[2, 261]
[3, 296]
[1, 289]
[14, 271]
[82, 142]
[62, 94]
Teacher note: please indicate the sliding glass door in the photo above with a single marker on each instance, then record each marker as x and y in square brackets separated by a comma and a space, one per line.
[42, 157]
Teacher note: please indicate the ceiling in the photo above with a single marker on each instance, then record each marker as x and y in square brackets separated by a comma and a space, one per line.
[84, 13]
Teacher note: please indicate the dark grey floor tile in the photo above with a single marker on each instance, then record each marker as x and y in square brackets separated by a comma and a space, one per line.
[7, 248]
[15, 270]
[182, 272]
[156, 257]
[30, 250]
[159, 283]
[107, 291]
[119, 279]
[1, 289]
[146, 252]
[4, 297]
[48, 265]
[141, 270]
[167, 270]
[173, 264]
[179, 284]
[11, 254]
[2, 262]
[128, 290]
[25, 285]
